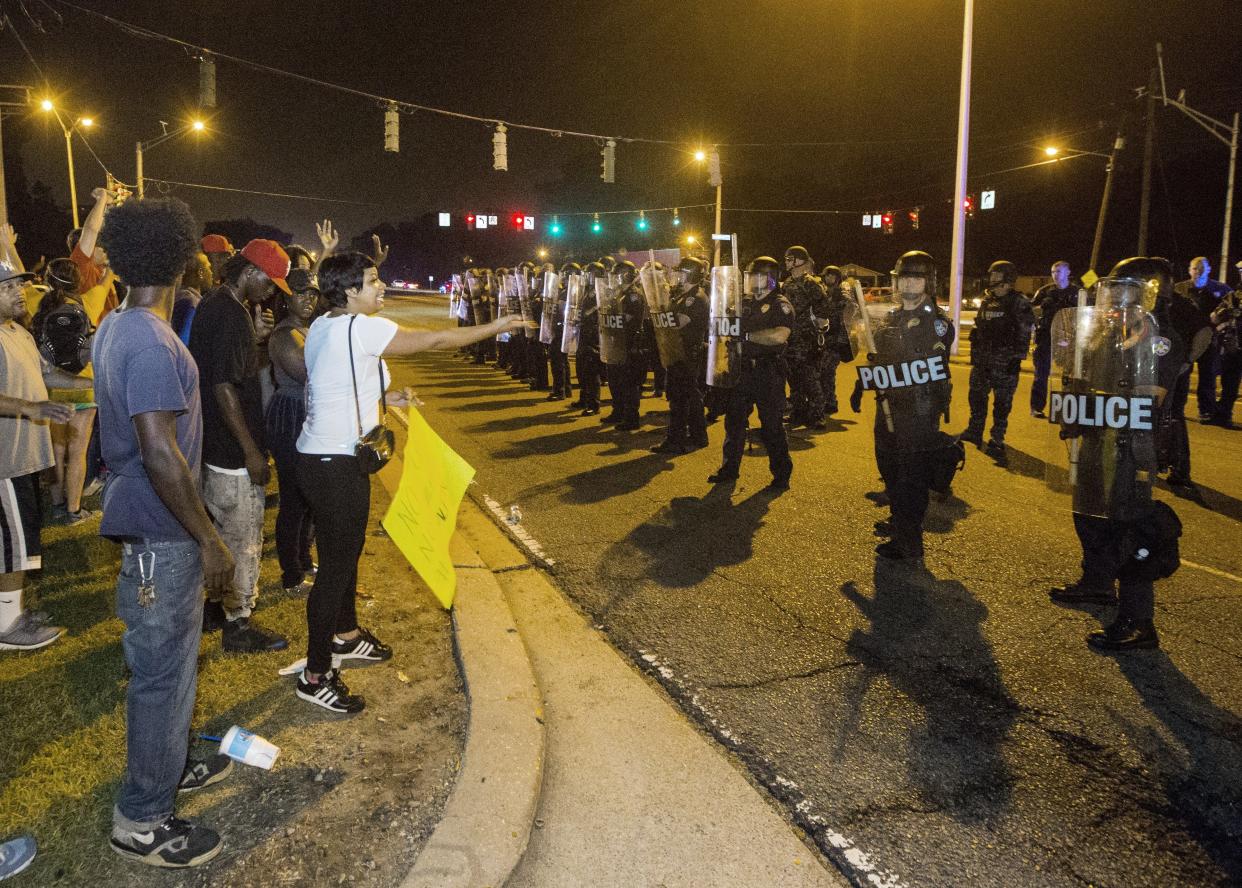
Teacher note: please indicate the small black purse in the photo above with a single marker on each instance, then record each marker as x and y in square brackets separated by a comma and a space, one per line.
[375, 448]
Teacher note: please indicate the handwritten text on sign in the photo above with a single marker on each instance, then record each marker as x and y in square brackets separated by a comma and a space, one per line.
[423, 513]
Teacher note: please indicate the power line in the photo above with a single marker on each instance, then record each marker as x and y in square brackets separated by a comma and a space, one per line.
[160, 182]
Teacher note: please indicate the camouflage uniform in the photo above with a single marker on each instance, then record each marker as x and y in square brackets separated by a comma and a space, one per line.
[808, 297]
[998, 343]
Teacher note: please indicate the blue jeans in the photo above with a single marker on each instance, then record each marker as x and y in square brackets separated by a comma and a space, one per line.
[161, 648]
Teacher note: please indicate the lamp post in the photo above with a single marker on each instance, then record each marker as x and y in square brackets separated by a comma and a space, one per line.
[84, 123]
[958, 259]
[194, 125]
[713, 178]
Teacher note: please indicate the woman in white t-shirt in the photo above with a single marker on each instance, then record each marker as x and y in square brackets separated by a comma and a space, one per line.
[338, 491]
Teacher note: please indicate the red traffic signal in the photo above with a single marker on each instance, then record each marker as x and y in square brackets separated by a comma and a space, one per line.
[914, 219]
[887, 222]
[518, 220]
[470, 220]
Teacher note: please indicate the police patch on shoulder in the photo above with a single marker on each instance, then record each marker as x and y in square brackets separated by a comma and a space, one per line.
[1161, 345]
[786, 308]
[942, 327]
[764, 309]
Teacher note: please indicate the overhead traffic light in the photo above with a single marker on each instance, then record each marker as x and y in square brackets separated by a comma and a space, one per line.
[914, 218]
[518, 220]
[969, 206]
[609, 155]
[555, 228]
[641, 224]
[596, 226]
[887, 223]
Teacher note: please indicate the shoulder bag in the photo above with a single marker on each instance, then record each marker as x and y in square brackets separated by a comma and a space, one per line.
[374, 448]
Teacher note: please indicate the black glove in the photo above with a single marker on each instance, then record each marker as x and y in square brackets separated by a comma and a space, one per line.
[856, 397]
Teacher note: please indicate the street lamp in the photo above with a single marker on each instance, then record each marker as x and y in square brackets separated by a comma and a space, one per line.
[196, 125]
[1118, 143]
[84, 123]
[713, 178]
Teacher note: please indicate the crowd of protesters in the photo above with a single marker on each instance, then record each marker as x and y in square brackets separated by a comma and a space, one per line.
[189, 367]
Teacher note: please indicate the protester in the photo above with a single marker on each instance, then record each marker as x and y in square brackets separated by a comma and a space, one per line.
[284, 417]
[25, 451]
[97, 284]
[218, 250]
[196, 281]
[224, 340]
[151, 422]
[346, 378]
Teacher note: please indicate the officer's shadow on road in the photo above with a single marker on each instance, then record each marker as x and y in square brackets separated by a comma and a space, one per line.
[926, 641]
[1209, 498]
[1201, 771]
[685, 541]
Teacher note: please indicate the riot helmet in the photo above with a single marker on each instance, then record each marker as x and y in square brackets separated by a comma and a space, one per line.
[762, 276]
[624, 271]
[593, 271]
[570, 268]
[912, 266]
[692, 271]
[798, 255]
[609, 262]
[834, 272]
[1139, 280]
[1002, 271]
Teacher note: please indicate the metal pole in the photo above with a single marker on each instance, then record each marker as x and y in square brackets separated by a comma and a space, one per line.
[958, 259]
[1108, 190]
[718, 212]
[1149, 150]
[73, 185]
[4, 203]
[138, 166]
[1233, 163]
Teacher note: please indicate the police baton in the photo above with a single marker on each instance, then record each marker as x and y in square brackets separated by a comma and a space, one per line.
[866, 321]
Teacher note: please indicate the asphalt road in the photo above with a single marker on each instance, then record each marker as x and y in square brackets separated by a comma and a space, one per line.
[937, 727]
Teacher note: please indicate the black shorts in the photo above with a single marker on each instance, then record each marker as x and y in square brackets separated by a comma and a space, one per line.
[21, 514]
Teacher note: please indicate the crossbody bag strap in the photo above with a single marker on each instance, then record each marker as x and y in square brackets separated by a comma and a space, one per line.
[352, 374]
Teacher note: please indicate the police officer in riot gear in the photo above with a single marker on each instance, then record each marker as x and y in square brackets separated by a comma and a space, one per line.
[627, 319]
[766, 322]
[687, 425]
[561, 387]
[587, 359]
[806, 294]
[1048, 300]
[1115, 351]
[536, 351]
[998, 343]
[911, 344]
[836, 339]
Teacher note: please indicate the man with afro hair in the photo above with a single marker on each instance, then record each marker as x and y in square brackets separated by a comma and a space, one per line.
[150, 418]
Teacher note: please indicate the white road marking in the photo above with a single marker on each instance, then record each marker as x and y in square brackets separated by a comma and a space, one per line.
[1213, 571]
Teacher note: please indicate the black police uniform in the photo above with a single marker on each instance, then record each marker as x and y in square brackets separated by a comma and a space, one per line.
[761, 384]
[484, 305]
[998, 343]
[1228, 322]
[536, 351]
[626, 383]
[835, 345]
[687, 425]
[911, 455]
[587, 360]
[1208, 298]
[1047, 302]
[809, 300]
[561, 387]
[1182, 315]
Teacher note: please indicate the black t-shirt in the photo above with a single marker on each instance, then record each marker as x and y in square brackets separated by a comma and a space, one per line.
[222, 342]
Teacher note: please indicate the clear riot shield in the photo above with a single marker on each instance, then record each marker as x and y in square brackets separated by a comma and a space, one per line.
[551, 295]
[523, 293]
[724, 331]
[573, 314]
[477, 286]
[502, 304]
[1102, 411]
[612, 335]
[659, 300]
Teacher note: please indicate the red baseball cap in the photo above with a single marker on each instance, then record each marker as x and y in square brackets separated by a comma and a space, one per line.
[271, 259]
[216, 243]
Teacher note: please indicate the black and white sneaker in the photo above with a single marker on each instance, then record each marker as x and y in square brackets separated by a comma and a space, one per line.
[365, 647]
[330, 692]
[175, 843]
[200, 774]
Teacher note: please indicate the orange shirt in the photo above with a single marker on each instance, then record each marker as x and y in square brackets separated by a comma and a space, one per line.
[93, 278]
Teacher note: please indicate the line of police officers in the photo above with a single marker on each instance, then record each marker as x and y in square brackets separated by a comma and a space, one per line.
[734, 339]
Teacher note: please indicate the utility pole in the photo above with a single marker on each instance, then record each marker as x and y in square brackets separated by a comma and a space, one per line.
[1118, 144]
[1226, 134]
[958, 258]
[6, 102]
[1149, 150]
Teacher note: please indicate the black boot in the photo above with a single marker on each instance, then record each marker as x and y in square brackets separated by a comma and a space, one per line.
[1125, 635]
[1077, 594]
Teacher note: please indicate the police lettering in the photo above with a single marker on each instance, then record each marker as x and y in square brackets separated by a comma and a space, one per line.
[919, 372]
[1102, 411]
[726, 326]
[613, 322]
[665, 320]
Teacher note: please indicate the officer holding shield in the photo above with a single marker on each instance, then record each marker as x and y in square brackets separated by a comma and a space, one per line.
[587, 358]
[806, 294]
[679, 318]
[620, 328]
[1117, 361]
[756, 378]
[836, 340]
[908, 368]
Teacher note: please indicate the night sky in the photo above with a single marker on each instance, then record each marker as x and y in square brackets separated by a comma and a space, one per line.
[882, 77]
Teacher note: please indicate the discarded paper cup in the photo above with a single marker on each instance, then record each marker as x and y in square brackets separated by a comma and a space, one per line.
[250, 749]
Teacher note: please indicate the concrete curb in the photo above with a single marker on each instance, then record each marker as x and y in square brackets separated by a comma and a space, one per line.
[488, 818]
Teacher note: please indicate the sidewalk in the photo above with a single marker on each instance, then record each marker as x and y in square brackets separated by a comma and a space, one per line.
[631, 794]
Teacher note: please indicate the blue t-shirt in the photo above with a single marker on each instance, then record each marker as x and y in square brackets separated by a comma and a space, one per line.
[142, 367]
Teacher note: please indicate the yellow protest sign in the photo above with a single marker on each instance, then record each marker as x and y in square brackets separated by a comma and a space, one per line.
[1090, 278]
[423, 513]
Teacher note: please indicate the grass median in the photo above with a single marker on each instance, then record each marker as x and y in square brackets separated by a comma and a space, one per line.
[349, 800]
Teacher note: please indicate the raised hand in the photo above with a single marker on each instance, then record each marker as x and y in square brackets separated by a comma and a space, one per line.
[327, 236]
[378, 250]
